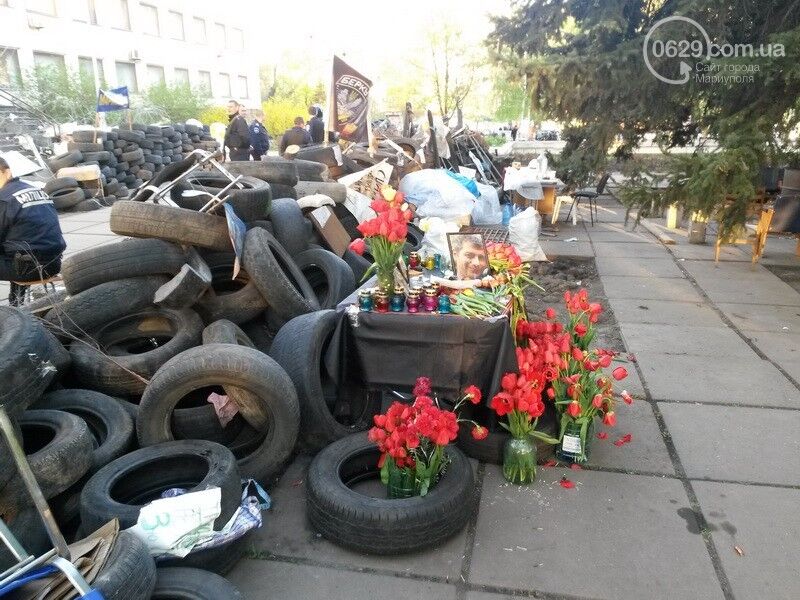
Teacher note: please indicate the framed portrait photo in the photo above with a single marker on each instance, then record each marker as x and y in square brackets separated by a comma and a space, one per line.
[468, 255]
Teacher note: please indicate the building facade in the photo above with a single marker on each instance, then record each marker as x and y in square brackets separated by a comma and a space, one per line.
[137, 43]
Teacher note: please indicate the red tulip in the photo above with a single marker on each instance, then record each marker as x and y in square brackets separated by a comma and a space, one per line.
[610, 418]
[627, 397]
[601, 435]
[509, 382]
[597, 401]
[619, 373]
[479, 433]
[574, 410]
[581, 329]
[566, 483]
[473, 393]
[358, 246]
[550, 313]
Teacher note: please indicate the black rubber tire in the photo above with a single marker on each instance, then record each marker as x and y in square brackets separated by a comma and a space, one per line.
[235, 300]
[130, 135]
[58, 355]
[414, 238]
[299, 348]
[175, 330]
[490, 449]
[283, 191]
[273, 170]
[124, 485]
[87, 205]
[173, 171]
[87, 147]
[109, 423]
[60, 183]
[289, 225]
[87, 135]
[220, 560]
[129, 572]
[377, 525]
[320, 153]
[270, 393]
[328, 275]
[62, 161]
[226, 332]
[128, 258]
[186, 583]
[133, 155]
[248, 204]
[24, 355]
[358, 264]
[258, 332]
[58, 447]
[67, 198]
[348, 220]
[276, 276]
[104, 303]
[100, 156]
[138, 219]
[27, 527]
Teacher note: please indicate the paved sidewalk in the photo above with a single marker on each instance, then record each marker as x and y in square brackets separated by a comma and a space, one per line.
[713, 465]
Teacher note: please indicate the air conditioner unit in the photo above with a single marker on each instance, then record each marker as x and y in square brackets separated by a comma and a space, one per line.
[36, 21]
[134, 55]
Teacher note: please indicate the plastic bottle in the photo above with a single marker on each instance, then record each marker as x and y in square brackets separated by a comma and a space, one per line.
[508, 212]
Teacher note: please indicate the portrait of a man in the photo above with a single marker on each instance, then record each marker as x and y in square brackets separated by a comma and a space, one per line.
[468, 255]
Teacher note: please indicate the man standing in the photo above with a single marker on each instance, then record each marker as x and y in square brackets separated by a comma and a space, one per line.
[31, 243]
[316, 126]
[237, 135]
[259, 138]
[297, 135]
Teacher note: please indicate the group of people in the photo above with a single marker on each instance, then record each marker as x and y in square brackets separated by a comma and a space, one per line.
[243, 141]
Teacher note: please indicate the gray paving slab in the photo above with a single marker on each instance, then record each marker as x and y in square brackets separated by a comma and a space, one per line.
[646, 453]
[783, 348]
[650, 288]
[736, 443]
[634, 267]
[706, 252]
[763, 317]
[625, 250]
[734, 380]
[74, 225]
[617, 236]
[258, 579]
[741, 283]
[562, 248]
[286, 532]
[77, 242]
[613, 536]
[666, 312]
[750, 517]
[97, 229]
[678, 339]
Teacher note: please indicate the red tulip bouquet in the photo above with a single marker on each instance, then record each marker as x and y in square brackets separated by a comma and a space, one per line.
[386, 235]
[511, 277]
[412, 440]
[579, 387]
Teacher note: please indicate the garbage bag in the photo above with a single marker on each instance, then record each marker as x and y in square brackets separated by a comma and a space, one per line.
[435, 240]
[467, 182]
[523, 233]
[487, 209]
[436, 194]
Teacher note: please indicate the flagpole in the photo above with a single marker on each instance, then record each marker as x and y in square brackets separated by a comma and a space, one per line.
[330, 101]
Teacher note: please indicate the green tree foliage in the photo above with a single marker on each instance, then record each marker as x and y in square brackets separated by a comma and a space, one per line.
[585, 68]
[63, 95]
[179, 102]
[279, 114]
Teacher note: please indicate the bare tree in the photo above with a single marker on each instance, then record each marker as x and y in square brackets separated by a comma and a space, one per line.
[453, 70]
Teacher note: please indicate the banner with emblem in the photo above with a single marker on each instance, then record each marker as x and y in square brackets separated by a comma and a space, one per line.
[350, 102]
[111, 100]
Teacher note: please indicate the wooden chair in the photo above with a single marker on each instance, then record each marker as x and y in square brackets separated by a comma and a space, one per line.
[756, 233]
[21, 290]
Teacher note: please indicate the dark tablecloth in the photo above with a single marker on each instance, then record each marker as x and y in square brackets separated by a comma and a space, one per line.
[390, 350]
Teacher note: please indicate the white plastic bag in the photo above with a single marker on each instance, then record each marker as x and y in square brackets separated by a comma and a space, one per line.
[435, 240]
[487, 209]
[436, 194]
[523, 233]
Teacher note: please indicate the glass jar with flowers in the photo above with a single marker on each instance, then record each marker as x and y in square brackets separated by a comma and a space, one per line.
[386, 235]
[412, 440]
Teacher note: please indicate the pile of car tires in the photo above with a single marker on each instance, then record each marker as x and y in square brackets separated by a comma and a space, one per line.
[126, 157]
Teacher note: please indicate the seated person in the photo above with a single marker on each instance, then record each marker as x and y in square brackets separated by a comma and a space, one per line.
[31, 243]
[296, 136]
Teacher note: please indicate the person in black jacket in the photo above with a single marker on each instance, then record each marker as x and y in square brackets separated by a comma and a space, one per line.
[297, 136]
[31, 243]
[259, 138]
[316, 126]
[237, 135]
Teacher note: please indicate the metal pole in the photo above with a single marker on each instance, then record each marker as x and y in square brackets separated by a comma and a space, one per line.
[435, 147]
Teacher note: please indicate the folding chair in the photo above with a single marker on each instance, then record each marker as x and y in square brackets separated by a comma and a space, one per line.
[590, 195]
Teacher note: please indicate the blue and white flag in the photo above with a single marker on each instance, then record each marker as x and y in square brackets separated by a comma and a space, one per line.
[111, 100]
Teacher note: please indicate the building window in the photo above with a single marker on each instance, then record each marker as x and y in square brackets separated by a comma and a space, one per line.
[175, 25]
[221, 38]
[120, 16]
[243, 91]
[86, 67]
[199, 26]
[155, 75]
[10, 74]
[224, 85]
[150, 20]
[44, 59]
[204, 81]
[126, 75]
[85, 12]
[237, 39]
[43, 7]
[181, 77]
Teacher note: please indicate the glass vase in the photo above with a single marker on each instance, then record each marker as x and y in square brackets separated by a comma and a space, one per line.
[402, 484]
[519, 460]
[386, 279]
[574, 447]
